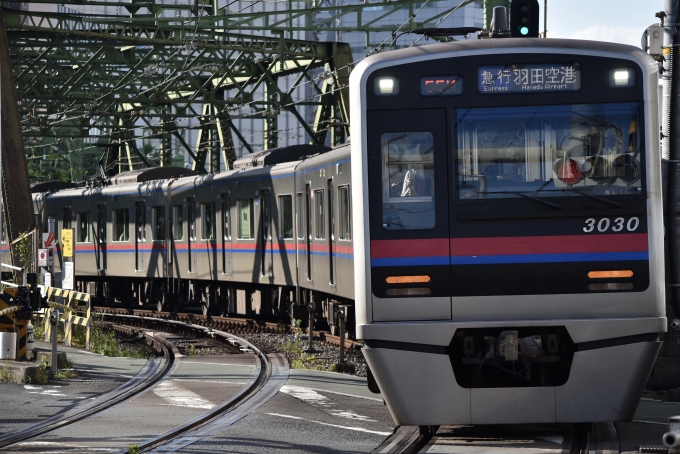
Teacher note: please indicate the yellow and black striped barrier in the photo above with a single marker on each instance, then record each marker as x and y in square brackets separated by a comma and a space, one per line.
[68, 316]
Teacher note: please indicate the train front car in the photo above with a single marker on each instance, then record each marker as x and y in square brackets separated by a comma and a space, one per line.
[508, 234]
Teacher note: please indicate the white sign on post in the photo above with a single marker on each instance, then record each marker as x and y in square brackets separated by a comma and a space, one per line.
[67, 282]
[42, 257]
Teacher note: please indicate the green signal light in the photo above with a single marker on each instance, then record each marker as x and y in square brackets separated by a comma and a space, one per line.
[524, 30]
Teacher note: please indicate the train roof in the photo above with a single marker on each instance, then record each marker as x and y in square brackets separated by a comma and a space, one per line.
[150, 174]
[278, 156]
[51, 186]
[502, 45]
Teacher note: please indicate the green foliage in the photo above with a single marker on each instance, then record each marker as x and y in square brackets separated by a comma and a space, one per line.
[133, 449]
[67, 372]
[105, 342]
[298, 359]
[5, 374]
[68, 160]
[23, 251]
[191, 350]
[38, 328]
[43, 375]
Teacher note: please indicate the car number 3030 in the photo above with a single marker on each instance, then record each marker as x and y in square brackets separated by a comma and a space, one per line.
[616, 225]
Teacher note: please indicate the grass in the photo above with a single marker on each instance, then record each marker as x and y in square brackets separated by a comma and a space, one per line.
[191, 350]
[67, 372]
[298, 359]
[5, 374]
[43, 376]
[133, 449]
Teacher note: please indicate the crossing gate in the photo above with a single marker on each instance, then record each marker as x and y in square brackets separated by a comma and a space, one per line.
[68, 302]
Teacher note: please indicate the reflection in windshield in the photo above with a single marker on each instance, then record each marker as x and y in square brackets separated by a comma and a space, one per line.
[551, 150]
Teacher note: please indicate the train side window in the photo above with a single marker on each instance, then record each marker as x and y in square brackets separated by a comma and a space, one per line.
[300, 216]
[178, 223]
[208, 221]
[159, 223]
[345, 228]
[245, 224]
[286, 216]
[66, 224]
[408, 180]
[121, 225]
[226, 234]
[318, 197]
[84, 227]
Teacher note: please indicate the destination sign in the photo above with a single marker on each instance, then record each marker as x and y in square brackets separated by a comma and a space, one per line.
[529, 78]
[441, 85]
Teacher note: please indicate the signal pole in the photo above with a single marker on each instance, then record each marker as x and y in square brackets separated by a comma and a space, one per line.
[545, 18]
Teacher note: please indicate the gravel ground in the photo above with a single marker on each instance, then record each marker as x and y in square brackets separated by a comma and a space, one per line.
[292, 346]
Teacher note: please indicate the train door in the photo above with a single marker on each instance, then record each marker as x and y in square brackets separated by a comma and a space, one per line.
[409, 214]
[140, 235]
[265, 236]
[331, 236]
[226, 235]
[308, 228]
[100, 240]
[191, 239]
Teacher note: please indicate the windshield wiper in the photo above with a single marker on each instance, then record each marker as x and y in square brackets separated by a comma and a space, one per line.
[527, 196]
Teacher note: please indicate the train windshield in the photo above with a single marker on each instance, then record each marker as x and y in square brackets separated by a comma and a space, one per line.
[549, 151]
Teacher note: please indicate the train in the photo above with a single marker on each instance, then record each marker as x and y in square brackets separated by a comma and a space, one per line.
[493, 231]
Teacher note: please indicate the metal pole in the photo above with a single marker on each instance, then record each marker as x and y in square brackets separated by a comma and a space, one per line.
[51, 229]
[341, 319]
[545, 18]
[668, 33]
[310, 326]
[54, 320]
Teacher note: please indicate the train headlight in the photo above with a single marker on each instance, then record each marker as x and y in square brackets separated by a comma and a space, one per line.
[621, 77]
[386, 86]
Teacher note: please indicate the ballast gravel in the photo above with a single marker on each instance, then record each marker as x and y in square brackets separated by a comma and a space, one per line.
[291, 346]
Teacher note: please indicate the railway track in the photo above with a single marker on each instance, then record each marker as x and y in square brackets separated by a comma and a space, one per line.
[234, 325]
[598, 438]
[270, 374]
[153, 372]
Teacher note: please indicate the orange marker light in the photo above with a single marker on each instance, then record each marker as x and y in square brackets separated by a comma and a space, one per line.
[610, 274]
[407, 279]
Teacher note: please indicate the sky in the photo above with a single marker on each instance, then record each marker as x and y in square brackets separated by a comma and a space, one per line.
[621, 21]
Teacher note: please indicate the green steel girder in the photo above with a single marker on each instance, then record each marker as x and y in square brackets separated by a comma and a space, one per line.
[144, 74]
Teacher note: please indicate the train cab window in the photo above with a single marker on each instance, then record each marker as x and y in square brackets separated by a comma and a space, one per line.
[300, 216]
[178, 223]
[550, 151]
[121, 225]
[84, 227]
[245, 224]
[319, 211]
[208, 221]
[159, 223]
[66, 223]
[345, 227]
[408, 180]
[286, 216]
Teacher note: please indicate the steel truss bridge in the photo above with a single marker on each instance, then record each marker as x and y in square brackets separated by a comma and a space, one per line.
[154, 70]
